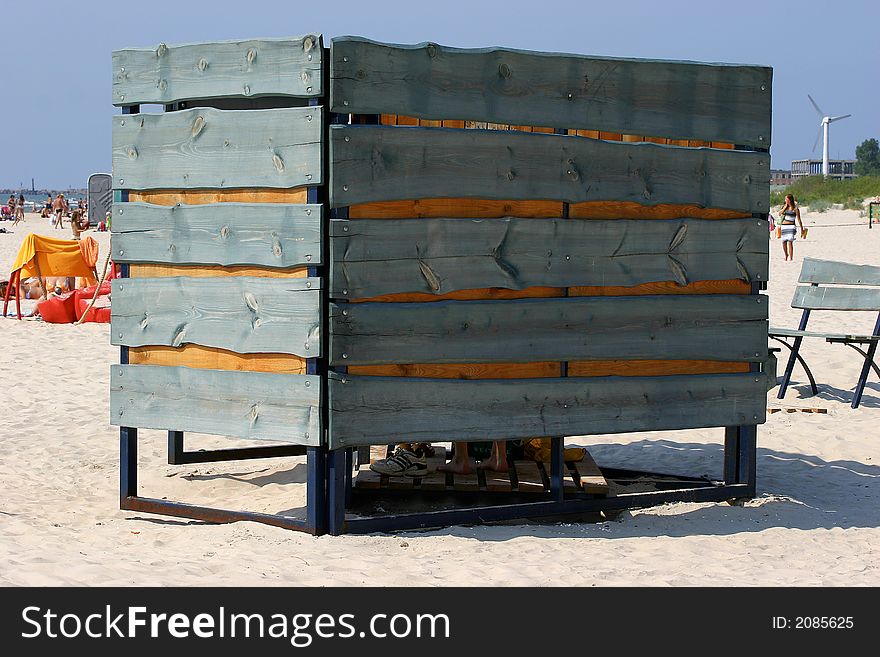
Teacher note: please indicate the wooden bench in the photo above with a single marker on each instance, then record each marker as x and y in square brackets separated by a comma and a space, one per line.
[833, 286]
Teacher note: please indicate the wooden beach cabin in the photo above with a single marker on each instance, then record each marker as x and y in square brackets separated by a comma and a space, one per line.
[333, 248]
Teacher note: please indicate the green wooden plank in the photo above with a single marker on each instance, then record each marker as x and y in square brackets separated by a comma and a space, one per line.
[366, 410]
[387, 163]
[252, 405]
[243, 314]
[210, 148]
[838, 273]
[836, 298]
[370, 258]
[710, 327]
[266, 234]
[683, 100]
[248, 69]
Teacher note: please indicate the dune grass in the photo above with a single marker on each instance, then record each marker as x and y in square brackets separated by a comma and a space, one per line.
[815, 191]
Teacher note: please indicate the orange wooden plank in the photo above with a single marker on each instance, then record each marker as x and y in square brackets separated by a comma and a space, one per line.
[388, 119]
[548, 131]
[698, 143]
[200, 196]
[210, 271]
[430, 123]
[734, 286]
[656, 140]
[677, 142]
[407, 120]
[632, 210]
[468, 371]
[467, 295]
[632, 138]
[590, 476]
[210, 358]
[721, 144]
[455, 207]
[453, 123]
[610, 136]
[652, 367]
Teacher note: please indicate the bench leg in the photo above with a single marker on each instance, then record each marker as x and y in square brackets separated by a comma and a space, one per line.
[866, 368]
[740, 456]
[789, 368]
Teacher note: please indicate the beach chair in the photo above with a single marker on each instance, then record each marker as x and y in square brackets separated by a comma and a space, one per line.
[838, 286]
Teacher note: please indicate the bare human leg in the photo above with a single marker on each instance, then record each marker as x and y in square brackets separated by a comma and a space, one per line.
[460, 463]
[497, 460]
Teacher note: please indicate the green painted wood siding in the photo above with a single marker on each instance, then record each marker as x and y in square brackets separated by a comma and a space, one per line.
[252, 405]
[681, 100]
[244, 314]
[371, 258]
[246, 69]
[710, 327]
[386, 163]
[210, 148]
[265, 234]
[368, 410]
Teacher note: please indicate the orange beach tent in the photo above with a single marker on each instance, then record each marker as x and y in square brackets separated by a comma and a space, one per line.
[48, 256]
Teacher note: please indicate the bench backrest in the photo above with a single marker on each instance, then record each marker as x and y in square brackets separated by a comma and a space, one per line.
[859, 286]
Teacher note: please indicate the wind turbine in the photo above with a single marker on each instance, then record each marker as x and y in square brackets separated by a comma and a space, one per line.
[826, 121]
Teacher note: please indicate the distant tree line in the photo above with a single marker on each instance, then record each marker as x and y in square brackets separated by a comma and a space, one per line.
[868, 158]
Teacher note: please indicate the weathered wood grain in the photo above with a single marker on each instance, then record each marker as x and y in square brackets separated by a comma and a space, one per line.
[268, 234]
[652, 367]
[388, 163]
[212, 148]
[829, 272]
[241, 314]
[685, 100]
[151, 270]
[470, 371]
[366, 410]
[201, 196]
[836, 298]
[246, 69]
[252, 405]
[211, 358]
[714, 327]
[437, 256]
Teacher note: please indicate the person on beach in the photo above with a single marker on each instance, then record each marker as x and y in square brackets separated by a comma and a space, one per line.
[788, 232]
[19, 210]
[47, 208]
[10, 204]
[78, 223]
[411, 460]
[58, 211]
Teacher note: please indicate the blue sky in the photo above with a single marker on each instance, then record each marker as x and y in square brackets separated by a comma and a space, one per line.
[55, 57]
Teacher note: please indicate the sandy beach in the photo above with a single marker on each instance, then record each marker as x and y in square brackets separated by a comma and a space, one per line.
[814, 522]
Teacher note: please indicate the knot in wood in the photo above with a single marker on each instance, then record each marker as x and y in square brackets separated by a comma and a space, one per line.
[203, 64]
[431, 49]
[163, 85]
[278, 162]
[308, 43]
[224, 232]
[511, 175]
[251, 55]
[197, 126]
[504, 71]
[361, 74]
[132, 153]
[247, 90]
[161, 50]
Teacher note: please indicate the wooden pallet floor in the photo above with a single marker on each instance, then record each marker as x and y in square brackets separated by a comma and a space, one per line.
[523, 477]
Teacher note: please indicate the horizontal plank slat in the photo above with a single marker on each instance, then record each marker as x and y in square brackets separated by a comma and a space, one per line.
[296, 195]
[437, 256]
[267, 234]
[210, 148]
[244, 69]
[367, 410]
[685, 100]
[211, 358]
[829, 272]
[836, 298]
[150, 270]
[252, 405]
[241, 314]
[387, 163]
[713, 327]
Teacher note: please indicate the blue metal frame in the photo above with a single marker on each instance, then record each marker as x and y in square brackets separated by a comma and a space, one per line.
[129, 500]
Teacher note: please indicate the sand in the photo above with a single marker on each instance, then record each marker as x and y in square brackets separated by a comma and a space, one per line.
[815, 519]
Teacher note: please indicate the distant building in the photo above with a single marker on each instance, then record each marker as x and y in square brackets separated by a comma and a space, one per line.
[780, 177]
[837, 169]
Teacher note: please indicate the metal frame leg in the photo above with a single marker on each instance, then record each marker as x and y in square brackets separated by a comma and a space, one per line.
[557, 452]
[316, 490]
[127, 464]
[336, 466]
[177, 454]
[795, 356]
[740, 456]
[866, 368]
